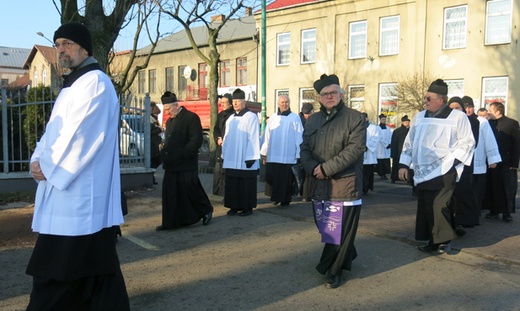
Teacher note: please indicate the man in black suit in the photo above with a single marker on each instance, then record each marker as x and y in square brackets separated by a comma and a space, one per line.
[184, 201]
[504, 176]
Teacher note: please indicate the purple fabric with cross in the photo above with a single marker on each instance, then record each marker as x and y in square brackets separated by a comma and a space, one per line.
[329, 219]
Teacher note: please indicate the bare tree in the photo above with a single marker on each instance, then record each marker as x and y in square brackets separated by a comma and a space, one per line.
[188, 13]
[410, 90]
[104, 28]
[124, 73]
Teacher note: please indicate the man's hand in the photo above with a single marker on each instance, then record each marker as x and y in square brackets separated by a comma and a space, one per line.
[36, 171]
[318, 173]
[219, 141]
[403, 174]
[492, 165]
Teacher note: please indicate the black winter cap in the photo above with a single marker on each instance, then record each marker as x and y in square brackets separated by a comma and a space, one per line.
[76, 32]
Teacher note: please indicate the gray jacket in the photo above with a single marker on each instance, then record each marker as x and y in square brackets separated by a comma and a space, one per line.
[337, 140]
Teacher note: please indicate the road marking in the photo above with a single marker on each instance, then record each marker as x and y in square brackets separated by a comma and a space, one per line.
[140, 242]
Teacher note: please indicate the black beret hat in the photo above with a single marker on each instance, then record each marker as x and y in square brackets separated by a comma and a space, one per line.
[325, 81]
[467, 101]
[228, 96]
[382, 116]
[168, 98]
[455, 99]
[405, 118]
[76, 32]
[307, 108]
[438, 87]
[239, 94]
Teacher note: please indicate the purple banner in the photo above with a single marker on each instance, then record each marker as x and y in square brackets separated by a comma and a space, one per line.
[329, 218]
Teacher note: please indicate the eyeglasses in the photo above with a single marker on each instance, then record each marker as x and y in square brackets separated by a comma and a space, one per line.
[428, 98]
[64, 44]
[333, 93]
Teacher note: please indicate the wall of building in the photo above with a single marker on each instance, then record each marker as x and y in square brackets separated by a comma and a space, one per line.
[229, 51]
[420, 49]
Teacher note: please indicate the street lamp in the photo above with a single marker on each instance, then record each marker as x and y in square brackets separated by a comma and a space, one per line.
[39, 33]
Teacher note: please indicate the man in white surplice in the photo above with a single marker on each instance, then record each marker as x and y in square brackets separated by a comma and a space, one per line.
[78, 202]
[439, 144]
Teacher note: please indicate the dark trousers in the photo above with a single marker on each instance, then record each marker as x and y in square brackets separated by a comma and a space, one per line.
[434, 214]
[502, 193]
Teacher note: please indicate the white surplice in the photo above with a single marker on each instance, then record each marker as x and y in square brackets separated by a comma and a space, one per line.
[486, 151]
[283, 136]
[79, 156]
[433, 144]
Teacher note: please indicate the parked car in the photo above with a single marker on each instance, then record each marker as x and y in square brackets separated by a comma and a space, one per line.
[131, 133]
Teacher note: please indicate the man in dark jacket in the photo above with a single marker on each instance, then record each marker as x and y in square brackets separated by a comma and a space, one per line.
[184, 201]
[332, 153]
[219, 174]
[504, 175]
[396, 146]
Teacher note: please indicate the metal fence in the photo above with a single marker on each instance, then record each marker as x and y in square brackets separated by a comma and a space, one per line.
[24, 115]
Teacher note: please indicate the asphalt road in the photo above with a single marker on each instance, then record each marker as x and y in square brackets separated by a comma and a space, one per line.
[266, 262]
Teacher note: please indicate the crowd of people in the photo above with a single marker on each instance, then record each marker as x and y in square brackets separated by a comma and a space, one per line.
[458, 162]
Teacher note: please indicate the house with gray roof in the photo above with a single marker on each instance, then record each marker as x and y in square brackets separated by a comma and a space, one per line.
[12, 60]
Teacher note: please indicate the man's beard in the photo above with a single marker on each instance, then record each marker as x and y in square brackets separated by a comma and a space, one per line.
[66, 62]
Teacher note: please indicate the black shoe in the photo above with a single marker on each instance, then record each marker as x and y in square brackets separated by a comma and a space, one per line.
[207, 218]
[245, 213]
[491, 215]
[276, 202]
[161, 228]
[507, 218]
[334, 281]
[427, 247]
[459, 229]
[444, 248]
[232, 212]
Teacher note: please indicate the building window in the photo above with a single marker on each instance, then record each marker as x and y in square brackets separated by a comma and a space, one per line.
[151, 80]
[181, 82]
[455, 88]
[35, 79]
[279, 93]
[389, 36]
[225, 76]
[388, 102]
[494, 90]
[307, 95]
[308, 46]
[357, 40]
[142, 81]
[356, 97]
[169, 75]
[283, 54]
[203, 75]
[4, 82]
[242, 71]
[455, 23]
[44, 77]
[498, 21]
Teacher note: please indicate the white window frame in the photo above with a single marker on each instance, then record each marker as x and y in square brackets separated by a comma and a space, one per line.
[499, 21]
[35, 78]
[357, 40]
[385, 95]
[455, 33]
[283, 45]
[356, 102]
[455, 87]
[308, 48]
[492, 90]
[389, 36]
[307, 95]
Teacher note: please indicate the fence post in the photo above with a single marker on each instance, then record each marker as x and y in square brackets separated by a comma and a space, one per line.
[5, 141]
[147, 129]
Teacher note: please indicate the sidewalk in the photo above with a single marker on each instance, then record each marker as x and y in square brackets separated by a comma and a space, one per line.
[389, 212]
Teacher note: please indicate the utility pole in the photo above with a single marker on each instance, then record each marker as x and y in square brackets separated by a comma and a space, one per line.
[262, 127]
